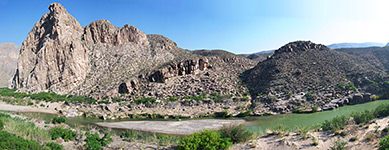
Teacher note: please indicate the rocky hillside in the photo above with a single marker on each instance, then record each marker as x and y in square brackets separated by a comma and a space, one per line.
[102, 60]
[378, 56]
[305, 73]
[9, 53]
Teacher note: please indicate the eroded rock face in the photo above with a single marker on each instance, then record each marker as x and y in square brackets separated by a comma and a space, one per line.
[178, 69]
[9, 53]
[52, 57]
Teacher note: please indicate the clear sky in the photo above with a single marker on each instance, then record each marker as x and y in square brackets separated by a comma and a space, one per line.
[239, 26]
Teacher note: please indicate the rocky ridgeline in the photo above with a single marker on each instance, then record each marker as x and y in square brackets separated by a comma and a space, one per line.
[302, 74]
[101, 60]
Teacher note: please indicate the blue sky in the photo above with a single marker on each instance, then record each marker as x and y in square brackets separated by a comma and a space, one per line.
[239, 26]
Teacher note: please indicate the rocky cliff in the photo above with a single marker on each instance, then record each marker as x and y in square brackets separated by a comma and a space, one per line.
[9, 53]
[303, 72]
[102, 60]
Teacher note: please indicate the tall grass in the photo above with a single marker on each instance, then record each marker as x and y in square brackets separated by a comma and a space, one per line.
[138, 136]
[24, 129]
[48, 97]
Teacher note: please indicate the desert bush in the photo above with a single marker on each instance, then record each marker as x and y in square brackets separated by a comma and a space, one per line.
[237, 134]
[53, 146]
[222, 114]
[58, 120]
[352, 139]
[362, 117]
[204, 140]
[65, 134]
[384, 143]
[334, 124]
[382, 110]
[315, 109]
[94, 142]
[339, 145]
[315, 141]
[303, 132]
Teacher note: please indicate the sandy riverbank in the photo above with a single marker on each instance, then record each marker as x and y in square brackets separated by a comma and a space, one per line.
[8, 107]
[172, 127]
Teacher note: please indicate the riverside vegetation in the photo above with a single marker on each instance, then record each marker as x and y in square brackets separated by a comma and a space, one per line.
[30, 136]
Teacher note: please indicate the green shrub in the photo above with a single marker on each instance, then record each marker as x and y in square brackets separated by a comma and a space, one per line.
[94, 142]
[1, 124]
[384, 143]
[54, 146]
[222, 114]
[343, 133]
[342, 85]
[382, 110]
[352, 139]
[339, 145]
[11, 141]
[309, 95]
[334, 124]
[237, 134]
[173, 99]
[65, 134]
[303, 132]
[58, 120]
[362, 117]
[204, 140]
[315, 109]
[145, 100]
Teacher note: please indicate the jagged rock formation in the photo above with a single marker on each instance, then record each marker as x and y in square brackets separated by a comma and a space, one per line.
[9, 53]
[52, 57]
[304, 68]
[102, 60]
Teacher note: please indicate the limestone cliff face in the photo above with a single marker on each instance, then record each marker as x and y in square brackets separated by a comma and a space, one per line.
[52, 57]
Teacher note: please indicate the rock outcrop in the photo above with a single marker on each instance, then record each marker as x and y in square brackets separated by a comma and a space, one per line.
[9, 53]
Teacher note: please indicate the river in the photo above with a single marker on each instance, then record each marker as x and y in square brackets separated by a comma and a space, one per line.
[262, 123]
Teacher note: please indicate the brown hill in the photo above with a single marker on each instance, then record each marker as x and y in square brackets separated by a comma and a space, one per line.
[314, 70]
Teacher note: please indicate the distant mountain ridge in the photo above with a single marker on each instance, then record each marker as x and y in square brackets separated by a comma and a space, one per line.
[355, 45]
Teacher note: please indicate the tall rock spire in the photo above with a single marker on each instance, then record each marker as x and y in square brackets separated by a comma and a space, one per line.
[52, 56]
